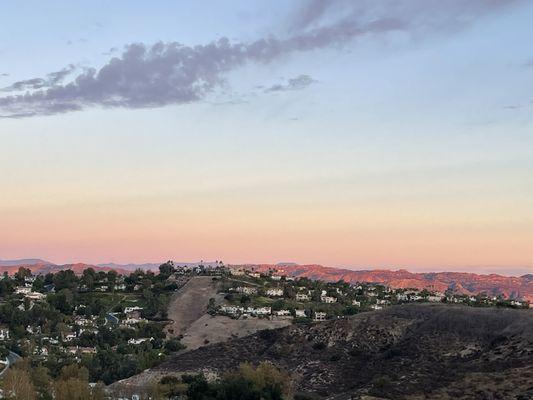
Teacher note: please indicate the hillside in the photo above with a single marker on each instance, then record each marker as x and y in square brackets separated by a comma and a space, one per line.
[404, 352]
[460, 282]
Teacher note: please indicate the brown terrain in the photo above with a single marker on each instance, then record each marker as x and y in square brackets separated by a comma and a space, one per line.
[188, 313]
[410, 352]
[190, 303]
[460, 282]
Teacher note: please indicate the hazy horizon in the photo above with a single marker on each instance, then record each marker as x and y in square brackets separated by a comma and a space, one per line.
[484, 270]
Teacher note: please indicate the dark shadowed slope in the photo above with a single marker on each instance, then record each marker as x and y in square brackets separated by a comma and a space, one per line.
[404, 352]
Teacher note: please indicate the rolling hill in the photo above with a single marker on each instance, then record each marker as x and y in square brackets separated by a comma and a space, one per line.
[404, 352]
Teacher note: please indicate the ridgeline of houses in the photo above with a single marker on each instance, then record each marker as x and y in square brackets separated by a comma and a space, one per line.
[275, 295]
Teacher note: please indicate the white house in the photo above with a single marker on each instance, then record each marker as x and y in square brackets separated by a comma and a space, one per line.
[283, 313]
[302, 297]
[320, 316]
[356, 303]
[232, 310]
[69, 337]
[246, 290]
[129, 310]
[300, 313]
[139, 341]
[23, 290]
[4, 334]
[259, 311]
[274, 292]
[328, 299]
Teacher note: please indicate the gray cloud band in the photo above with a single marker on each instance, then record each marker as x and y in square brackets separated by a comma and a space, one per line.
[171, 73]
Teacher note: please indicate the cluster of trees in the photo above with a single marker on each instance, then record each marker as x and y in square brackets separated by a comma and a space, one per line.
[74, 296]
[264, 382]
[22, 382]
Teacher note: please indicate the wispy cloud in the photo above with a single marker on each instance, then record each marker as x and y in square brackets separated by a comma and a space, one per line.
[297, 83]
[51, 80]
[171, 73]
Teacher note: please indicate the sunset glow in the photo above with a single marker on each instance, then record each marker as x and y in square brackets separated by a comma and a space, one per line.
[398, 149]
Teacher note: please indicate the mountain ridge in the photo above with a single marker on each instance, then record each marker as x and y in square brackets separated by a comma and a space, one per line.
[516, 287]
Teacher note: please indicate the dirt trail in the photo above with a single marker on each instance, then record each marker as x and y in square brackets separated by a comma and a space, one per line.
[189, 303]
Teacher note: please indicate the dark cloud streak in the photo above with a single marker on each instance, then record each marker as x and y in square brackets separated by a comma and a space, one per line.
[297, 83]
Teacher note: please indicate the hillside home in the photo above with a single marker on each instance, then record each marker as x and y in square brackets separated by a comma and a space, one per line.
[274, 292]
[139, 341]
[4, 334]
[302, 297]
[300, 313]
[23, 290]
[320, 316]
[232, 310]
[260, 311]
[328, 299]
[436, 298]
[246, 290]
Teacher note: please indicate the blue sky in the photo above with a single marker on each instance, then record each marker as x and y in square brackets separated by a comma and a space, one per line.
[408, 145]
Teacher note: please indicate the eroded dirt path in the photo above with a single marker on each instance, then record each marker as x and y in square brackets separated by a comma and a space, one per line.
[189, 303]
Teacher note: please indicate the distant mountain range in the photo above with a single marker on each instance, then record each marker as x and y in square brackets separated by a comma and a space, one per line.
[466, 283]
[38, 266]
[27, 261]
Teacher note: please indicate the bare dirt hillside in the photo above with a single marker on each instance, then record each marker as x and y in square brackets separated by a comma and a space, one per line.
[189, 303]
[215, 329]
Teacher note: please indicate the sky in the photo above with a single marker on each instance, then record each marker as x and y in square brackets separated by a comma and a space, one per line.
[362, 134]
